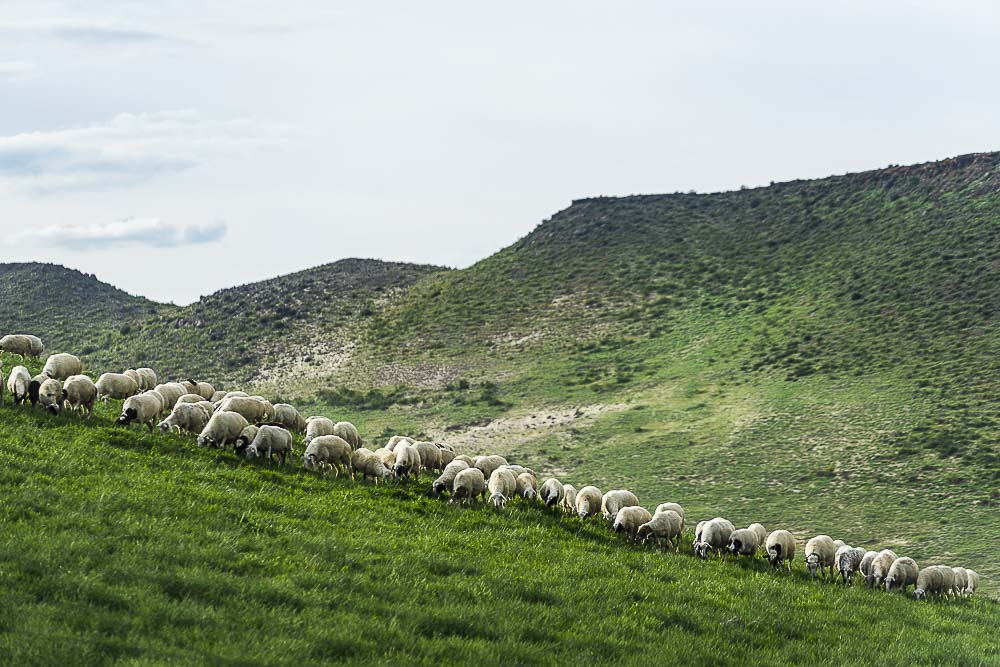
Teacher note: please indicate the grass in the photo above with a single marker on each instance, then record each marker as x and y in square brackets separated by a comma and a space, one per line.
[117, 545]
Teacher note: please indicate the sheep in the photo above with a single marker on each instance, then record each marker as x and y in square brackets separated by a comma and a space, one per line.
[218, 396]
[206, 390]
[289, 417]
[848, 561]
[407, 462]
[588, 500]
[430, 455]
[866, 564]
[62, 366]
[23, 345]
[190, 417]
[663, 507]
[270, 441]
[821, 554]
[133, 375]
[251, 409]
[665, 525]
[317, 426]
[502, 486]
[780, 548]
[629, 519]
[245, 437]
[743, 542]
[937, 579]
[614, 500]
[34, 387]
[224, 427]
[714, 535]
[387, 458]
[268, 408]
[192, 399]
[50, 395]
[697, 534]
[903, 572]
[880, 568]
[446, 481]
[445, 454]
[468, 459]
[328, 452]
[79, 393]
[363, 460]
[396, 439]
[116, 385]
[487, 464]
[551, 492]
[468, 484]
[961, 581]
[170, 393]
[761, 534]
[229, 394]
[568, 503]
[348, 432]
[147, 377]
[971, 581]
[526, 486]
[17, 384]
[142, 408]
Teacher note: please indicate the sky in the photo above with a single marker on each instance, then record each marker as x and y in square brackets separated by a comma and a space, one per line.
[174, 148]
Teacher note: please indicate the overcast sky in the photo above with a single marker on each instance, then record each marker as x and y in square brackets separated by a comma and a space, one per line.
[174, 149]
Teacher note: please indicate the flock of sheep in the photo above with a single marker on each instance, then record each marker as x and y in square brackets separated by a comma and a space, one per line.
[258, 429]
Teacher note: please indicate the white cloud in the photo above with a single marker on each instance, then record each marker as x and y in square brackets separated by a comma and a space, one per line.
[85, 32]
[16, 71]
[130, 149]
[135, 231]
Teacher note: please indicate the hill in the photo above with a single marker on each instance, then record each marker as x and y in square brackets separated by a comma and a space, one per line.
[118, 545]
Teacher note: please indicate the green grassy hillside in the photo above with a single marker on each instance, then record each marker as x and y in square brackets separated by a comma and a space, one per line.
[116, 545]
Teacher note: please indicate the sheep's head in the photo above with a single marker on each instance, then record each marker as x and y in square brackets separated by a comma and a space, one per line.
[919, 593]
[308, 460]
[251, 451]
[205, 441]
[164, 427]
[735, 545]
[643, 533]
[128, 416]
[437, 488]
[812, 564]
[701, 549]
[889, 582]
[499, 500]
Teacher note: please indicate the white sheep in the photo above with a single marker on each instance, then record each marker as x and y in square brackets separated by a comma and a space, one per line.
[761, 534]
[190, 417]
[446, 481]
[268, 408]
[363, 460]
[223, 428]
[937, 579]
[79, 393]
[821, 554]
[142, 408]
[629, 519]
[743, 542]
[880, 568]
[328, 452]
[348, 432]
[527, 486]
[289, 417]
[23, 345]
[170, 393]
[445, 454]
[468, 459]
[191, 399]
[17, 384]
[61, 366]
[134, 376]
[430, 455]
[468, 484]
[317, 426]
[218, 396]
[396, 439]
[568, 502]
[147, 378]
[116, 385]
[780, 547]
[848, 560]
[252, 410]
[50, 395]
[866, 564]
[713, 535]
[614, 500]
[675, 507]
[664, 525]
[407, 462]
[551, 492]
[903, 572]
[269, 442]
[245, 437]
[972, 581]
[387, 457]
[487, 464]
[502, 486]
[588, 501]
[961, 581]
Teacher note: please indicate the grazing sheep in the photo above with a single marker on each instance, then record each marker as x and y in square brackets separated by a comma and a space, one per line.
[190, 417]
[170, 393]
[937, 579]
[880, 568]
[142, 408]
[230, 394]
[820, 555]
[34, 387]
[614, 500]
[468, 459]
[387, 457]
[903, 572]
[743, 542]
[116, 385]
[675, 507]
[134, 376]
[761, 533]
[328, 452]
[848, 560]
[270, 441]
[252, 410]
[61, 366]
[502, 486]
[714, 535]
[317, 426]
[568, 503]
[407, 462]
[971, 581]
[446, 481]
[551, 492]
[588, 501]
[665, 525]
[780, 547]
[866, 564]
[697, 534]
[192, 399]
[961, 581]
[363, 460]
[206, 390]
[445, 454]
[289, 417]
[147, 377]
[839, 543]
[487, 464]
[348, 432]
[629, 519]
[396, 439]
[526, 486]
[245, 437]
[17, 384]
[23, 345]
[430, 455]
[79, 393]
[50, 395]
[468, 484]
[223, 428]
[218, 396]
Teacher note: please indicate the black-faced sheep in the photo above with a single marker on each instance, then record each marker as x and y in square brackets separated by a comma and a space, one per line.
[903, 573]
[551, 492]
[780, 547]
[821, 555]
[223, 428]
[446, 481]
[143, 409]
[328, 452]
